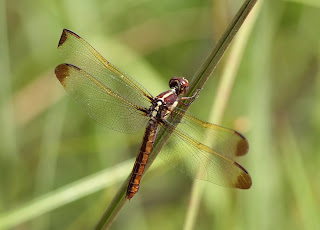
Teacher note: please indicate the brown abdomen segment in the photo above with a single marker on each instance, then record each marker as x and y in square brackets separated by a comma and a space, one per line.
[142, 158]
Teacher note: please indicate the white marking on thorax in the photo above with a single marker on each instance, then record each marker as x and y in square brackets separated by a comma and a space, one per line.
[174, 105]
[167, 94]
[156, 109]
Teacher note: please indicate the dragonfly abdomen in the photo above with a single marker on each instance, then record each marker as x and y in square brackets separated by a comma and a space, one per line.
[142, 158]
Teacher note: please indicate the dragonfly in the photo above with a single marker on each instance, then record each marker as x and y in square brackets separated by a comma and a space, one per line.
[199, 149]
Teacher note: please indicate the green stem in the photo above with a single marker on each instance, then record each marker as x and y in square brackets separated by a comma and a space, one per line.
[204, 72]
[114, 208]
[197, 83]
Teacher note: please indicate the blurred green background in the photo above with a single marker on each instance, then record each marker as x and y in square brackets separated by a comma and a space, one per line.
[49, 146]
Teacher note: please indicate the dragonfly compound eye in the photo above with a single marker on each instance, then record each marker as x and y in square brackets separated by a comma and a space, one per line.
[180, 84]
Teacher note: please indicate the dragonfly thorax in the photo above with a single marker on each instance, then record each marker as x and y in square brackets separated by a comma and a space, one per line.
[162, 105]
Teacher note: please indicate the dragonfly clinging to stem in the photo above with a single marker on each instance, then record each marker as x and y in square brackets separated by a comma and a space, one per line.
[112, 98]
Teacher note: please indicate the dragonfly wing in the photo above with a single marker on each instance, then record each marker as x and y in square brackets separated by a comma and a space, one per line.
[225, 141]
[101, 103]
[201, 162]
[80, 53]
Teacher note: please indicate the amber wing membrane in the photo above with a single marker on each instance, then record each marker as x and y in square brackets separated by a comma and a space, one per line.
[225, 141]
[197, 160]
[101, 103]
[78, 52]
[90, 67]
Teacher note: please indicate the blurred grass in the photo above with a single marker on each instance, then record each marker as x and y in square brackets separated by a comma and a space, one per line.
[275, 102]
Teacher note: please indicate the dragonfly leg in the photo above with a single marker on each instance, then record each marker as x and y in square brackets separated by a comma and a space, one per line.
[190, 99]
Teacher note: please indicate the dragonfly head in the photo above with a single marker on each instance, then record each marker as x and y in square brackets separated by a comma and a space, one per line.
[179, 84]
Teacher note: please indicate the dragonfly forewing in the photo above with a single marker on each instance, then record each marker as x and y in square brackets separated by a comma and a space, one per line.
[225, 141]
[80, 53]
